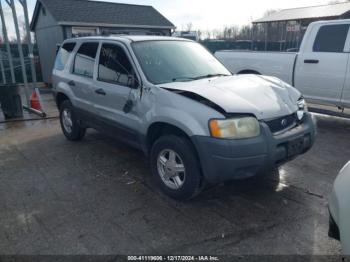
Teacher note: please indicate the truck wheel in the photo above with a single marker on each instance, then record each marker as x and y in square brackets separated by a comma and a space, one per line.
[69, 123]
[175, 167]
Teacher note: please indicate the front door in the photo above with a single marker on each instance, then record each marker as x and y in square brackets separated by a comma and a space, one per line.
[321, 67]
[117, 92]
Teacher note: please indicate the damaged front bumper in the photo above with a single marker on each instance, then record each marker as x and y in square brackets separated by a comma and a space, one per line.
[227, 159]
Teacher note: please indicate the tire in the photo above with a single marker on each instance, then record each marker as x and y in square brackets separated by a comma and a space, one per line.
[188, 183]
[75, 132]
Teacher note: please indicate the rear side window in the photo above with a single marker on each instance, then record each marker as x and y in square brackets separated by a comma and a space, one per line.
[63, 55]
[85, 60]
[331, 38]
[114, 65]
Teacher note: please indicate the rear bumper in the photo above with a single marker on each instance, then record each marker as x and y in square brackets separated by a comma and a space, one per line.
[223, 159]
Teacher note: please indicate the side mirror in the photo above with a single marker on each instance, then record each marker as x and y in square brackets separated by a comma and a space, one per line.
[133, 82]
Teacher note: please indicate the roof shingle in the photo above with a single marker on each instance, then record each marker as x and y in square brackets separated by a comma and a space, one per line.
[97, 12]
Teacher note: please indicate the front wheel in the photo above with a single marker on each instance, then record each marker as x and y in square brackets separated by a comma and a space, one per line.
[175, 167]
[69, 122]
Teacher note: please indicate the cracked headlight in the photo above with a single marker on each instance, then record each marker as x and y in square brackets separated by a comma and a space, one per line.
[235, 128]
[302, 108]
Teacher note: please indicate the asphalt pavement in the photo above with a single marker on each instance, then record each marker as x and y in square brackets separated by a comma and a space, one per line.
[97, 196]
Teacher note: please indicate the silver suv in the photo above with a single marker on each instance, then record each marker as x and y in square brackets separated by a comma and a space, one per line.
[173, 100]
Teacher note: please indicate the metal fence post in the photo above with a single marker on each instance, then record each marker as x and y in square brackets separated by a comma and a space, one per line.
[29, 41]
[7, 43]
[2, 69]
[11, 3]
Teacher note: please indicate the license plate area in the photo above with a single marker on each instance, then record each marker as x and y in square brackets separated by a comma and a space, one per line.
[295, 147]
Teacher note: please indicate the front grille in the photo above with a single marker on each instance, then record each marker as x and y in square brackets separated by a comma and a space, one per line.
[282, 123]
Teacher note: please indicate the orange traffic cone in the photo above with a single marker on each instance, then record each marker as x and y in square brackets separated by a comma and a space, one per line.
[34, 101]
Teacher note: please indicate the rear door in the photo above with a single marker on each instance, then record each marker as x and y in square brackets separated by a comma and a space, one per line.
[114, 89]
[60, 74]
[321, 66]
[81, 78]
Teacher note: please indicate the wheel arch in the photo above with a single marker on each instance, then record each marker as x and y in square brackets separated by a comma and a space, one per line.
[60, 97]
[248, 71]
[158, 129]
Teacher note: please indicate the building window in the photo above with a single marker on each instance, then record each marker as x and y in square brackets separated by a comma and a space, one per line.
[114, 65]
[331, 38]
[63, 55]
[43, 11]
[85, 60]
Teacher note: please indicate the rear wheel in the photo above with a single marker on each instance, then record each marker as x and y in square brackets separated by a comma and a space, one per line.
[175, 167]
[69, 122]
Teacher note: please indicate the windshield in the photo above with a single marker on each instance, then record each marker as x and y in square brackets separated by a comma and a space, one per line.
[171, 61]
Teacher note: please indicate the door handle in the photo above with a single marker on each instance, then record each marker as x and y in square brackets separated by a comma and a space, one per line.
[100, 92]
[311, 61]
[71, 83]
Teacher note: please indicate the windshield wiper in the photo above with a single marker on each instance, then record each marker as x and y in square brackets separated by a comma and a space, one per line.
[209, 76]
[185, 78]
[182, 79]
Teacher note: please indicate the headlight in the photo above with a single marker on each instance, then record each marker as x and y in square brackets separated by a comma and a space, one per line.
[235, 128]
[302, 108]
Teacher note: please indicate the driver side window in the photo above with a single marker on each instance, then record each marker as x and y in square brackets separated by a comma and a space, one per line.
[114, 65]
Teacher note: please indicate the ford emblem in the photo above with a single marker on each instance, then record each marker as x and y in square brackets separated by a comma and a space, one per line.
[284, 122]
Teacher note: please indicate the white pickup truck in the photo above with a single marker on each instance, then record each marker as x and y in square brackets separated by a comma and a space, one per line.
[320, 70]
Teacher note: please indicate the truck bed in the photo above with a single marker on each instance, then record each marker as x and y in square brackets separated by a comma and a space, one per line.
[279, 64]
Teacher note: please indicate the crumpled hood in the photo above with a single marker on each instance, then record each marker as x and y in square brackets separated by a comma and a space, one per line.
[265, 97]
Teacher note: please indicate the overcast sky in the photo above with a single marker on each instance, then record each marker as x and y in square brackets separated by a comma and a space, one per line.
[204, 14]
